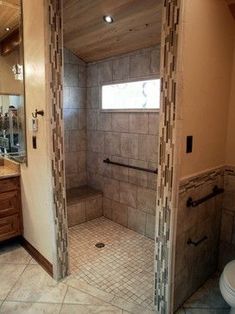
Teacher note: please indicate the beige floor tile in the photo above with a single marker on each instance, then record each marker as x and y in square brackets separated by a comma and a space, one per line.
[9, 274]
[89, 309]
[35, 285]
[14, 255]
[33, 262]
[207, 311]
[83, 286]
[130, 307]
[29, 308]
[74, 296]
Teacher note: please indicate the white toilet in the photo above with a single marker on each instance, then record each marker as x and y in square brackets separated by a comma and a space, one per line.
[227, 285]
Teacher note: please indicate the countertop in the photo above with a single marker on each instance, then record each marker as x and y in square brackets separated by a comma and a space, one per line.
[9, 169]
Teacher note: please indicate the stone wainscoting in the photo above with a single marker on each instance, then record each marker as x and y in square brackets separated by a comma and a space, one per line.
[195, 264]
[227, 244]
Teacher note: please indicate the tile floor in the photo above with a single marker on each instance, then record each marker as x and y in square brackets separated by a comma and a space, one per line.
[25, 288]
[207, 300]
[123, 268]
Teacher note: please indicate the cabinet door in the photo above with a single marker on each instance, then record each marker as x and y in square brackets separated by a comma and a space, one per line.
[9, 227]
[9, 203]
[9, 184]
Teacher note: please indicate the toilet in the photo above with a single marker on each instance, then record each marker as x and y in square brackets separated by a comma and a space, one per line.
[227, 285]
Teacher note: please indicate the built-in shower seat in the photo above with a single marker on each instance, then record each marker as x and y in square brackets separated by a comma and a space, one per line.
[83, 203]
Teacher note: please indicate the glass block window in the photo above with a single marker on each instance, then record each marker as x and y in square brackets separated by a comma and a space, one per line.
[138, 95]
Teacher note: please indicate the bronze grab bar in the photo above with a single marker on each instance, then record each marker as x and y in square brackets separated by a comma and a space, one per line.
[191, 242]
[108, 161]
[216, 191]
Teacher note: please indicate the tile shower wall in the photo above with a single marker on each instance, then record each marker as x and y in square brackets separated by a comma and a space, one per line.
[195, 264]
[74, 120]
[227, 244]
[130, 138]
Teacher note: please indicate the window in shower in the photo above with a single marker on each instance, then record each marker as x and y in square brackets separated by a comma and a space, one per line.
[131, 96]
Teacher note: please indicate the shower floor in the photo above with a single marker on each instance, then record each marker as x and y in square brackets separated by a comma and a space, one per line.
[123, 267]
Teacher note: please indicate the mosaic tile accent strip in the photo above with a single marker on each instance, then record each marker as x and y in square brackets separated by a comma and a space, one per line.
[55, 37]
[201, 179]
[167, 156]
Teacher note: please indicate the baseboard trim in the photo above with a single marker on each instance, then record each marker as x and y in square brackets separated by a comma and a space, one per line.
[37, 256]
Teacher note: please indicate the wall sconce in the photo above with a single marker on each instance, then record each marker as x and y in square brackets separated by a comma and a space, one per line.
[17, 69]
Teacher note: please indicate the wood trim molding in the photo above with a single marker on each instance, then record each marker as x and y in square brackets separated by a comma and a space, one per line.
[37, 256]
[231, 5]
[232, 9]
[10, 43]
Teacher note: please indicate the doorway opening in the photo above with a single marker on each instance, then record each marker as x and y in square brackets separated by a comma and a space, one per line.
[111, 118]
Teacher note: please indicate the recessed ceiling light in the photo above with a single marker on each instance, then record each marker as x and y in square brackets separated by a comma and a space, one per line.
[108, 19]
[7, 29]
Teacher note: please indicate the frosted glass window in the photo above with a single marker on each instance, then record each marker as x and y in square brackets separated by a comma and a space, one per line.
[132, 95]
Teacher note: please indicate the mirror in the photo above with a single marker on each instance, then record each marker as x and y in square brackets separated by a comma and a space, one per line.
[12, 107]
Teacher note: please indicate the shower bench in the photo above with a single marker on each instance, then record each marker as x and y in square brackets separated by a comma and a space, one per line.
[83, 203]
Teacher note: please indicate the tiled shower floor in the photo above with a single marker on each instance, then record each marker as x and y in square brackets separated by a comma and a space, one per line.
[124, 267]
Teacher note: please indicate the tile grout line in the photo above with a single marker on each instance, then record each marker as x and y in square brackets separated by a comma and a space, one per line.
[5, 300]
[63, 299]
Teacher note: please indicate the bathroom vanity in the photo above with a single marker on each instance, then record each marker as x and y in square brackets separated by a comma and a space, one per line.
[10, 201]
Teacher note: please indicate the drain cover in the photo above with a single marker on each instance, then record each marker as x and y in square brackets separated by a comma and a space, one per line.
[100, 245]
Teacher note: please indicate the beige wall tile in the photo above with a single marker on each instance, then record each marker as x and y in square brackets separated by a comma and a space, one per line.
[107, 207]
[76, 214]
[154, 62]
[146, 200]
[136, 220]
[153, 123]
[112, 143]
[112, 189]
[150, 226]
[105, 72]
[95, 141]
[94, 208]
[139, 65]
[104, 121]
[227, 225]
[128, 194]
[129, 145]
[138, 123]
[70, 75]
[92, 75]
[121, 68]
[148, 147]
[119, 213]
[120, 122]
[138, 177]
[77, 140]
[118, 172]
[92, 118]
[93, 97]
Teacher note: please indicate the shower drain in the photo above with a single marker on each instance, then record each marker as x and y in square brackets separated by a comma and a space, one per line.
[100, 245]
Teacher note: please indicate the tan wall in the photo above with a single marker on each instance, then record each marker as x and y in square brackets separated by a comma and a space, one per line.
[8, 85]
[206, 63]
[230, 148]
[36, 177]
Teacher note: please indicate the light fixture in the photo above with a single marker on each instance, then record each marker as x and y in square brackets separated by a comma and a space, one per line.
[7, 29]
[108, 19]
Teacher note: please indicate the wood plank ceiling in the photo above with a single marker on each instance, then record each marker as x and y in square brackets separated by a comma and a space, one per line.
[9, 16]
[137, 24]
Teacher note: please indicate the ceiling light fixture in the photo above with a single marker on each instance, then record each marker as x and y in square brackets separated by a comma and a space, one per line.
[108, 19]
[7, 29]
